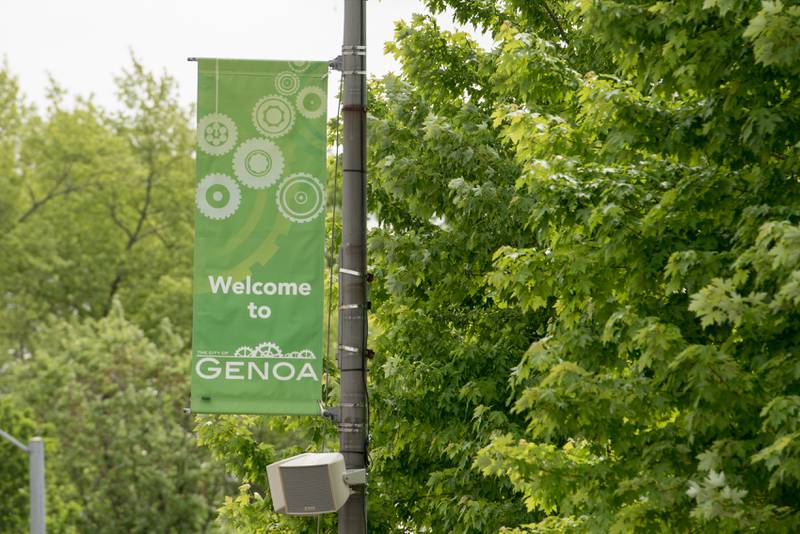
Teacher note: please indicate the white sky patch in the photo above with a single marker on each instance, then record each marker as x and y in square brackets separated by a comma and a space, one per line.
[85, 43]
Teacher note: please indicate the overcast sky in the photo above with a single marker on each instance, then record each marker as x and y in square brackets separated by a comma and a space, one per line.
[84, 43]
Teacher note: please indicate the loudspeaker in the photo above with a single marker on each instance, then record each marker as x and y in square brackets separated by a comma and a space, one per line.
[308, 484]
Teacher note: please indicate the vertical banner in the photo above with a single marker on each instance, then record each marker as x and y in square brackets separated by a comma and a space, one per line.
[259, 237]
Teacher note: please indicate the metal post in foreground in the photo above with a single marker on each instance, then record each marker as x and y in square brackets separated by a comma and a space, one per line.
[36, 473]
[353, 265]
[35, 450]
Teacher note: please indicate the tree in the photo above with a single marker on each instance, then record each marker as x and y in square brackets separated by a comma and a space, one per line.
[651, 271]
[101, 206]
[61, 504]
[13, 114]
[154, 211]
[114, 401]
[442, 187]
[13, 469]
[99, 210]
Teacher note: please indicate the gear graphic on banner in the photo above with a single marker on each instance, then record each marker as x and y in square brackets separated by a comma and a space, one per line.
[268, 349]
[300, 197]
[287, 83]
[245, 352]
[273, 115]
[311, 102]
[298, 66]
[218, 196]
[216, 134]
[258, 163]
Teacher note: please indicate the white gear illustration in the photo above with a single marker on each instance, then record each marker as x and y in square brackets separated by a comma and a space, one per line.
[287, 83]
[244, 352]
[300, 197]
[216, 134]
[298, 66]
[313, 111]
[293, 355]
[273, 115]
[258, 163]
[306, 355]
[268, 350]
[212, 201]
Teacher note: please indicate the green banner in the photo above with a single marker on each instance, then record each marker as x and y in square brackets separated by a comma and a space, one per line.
[259, 231]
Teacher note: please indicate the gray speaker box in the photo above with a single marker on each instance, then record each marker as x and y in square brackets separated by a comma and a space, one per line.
[308, 484]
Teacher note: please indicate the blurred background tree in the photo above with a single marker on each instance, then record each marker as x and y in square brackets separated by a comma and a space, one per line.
[97, 218]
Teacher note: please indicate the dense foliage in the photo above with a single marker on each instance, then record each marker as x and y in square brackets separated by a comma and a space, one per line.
[96, 216]
[14, 469]
[589, 258]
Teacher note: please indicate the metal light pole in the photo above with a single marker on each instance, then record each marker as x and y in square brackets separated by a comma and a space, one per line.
[35, 450]
[353, 265]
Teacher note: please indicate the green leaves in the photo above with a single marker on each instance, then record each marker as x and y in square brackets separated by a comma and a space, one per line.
[442, 189]
[14, 466]
[102, 210]
[715, 498]
[645, 171]
[111, 402]
[782, 457]
[100, 219]
[775, 35]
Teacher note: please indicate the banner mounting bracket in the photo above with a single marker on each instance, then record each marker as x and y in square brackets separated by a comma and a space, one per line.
[336, 63]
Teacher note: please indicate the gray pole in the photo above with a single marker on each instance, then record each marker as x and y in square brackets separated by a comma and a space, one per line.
[353, 265]
[36, 473]
[35, 451]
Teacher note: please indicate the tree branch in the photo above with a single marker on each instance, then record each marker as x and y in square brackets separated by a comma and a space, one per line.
[53, 193]
[555, 21]
[133, 237]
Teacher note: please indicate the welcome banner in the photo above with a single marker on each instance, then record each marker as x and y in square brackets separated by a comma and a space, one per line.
[259, 230]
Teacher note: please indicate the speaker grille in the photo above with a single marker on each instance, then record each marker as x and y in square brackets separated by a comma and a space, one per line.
[307, 489]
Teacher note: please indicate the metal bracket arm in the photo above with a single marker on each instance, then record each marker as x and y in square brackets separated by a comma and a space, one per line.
[13, 441]
[334, 413]
[355, 477]
[336, 63]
